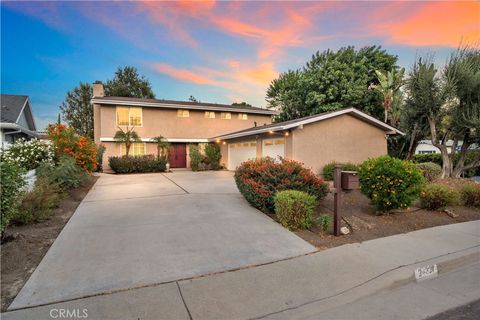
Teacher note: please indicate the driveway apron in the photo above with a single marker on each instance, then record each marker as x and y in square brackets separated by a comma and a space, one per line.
[132, 231]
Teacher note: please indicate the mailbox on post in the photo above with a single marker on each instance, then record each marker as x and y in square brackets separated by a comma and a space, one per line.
[350, 180]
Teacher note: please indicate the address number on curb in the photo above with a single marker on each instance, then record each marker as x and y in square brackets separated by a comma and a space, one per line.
[426, 272]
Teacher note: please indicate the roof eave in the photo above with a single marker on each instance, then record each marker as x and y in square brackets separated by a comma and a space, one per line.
[181, 106]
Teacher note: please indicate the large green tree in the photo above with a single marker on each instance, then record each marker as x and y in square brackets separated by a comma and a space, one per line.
[128, 83]
[332, 80]
[77, 110]
[449, 102]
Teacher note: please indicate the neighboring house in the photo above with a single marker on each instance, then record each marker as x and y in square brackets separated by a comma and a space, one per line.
[426, 147]
[346, 135]
[181, 123]
[16, 119]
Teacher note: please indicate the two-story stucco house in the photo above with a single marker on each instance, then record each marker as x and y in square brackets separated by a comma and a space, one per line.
[181, 123]
[346, 135]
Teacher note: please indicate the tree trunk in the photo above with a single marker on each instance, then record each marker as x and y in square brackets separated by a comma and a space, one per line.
[447, 163]
[413, 142]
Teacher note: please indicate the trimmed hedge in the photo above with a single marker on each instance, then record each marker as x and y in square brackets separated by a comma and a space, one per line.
[137, 164]
[390, 183]
[471, 195]
[260, 179]
[430, 170]
[294, 209]
[328, 169]
[436, 196]
[213, 154]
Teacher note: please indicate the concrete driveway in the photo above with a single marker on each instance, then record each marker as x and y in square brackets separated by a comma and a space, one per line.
[138, 230]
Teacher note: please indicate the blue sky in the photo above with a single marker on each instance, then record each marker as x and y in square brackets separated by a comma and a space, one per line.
[217, 51]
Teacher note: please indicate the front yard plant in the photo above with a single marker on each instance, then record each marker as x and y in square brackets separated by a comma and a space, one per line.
[65, 175]
[436, 196]
[471, 195]
[37, 205]
[260, 179]
[67, 142]
[390, 183]
[294, 209]
[137, 164]
[213, 154]
[430, 170]
[29, 154]
[329, 168]
[208, 159]
[12, 182]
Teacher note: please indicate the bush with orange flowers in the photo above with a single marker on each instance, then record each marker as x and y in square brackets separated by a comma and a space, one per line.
[67, 142]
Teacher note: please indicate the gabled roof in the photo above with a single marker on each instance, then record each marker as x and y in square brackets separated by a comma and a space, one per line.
[12, 107]
[291, 124]
[179, 105]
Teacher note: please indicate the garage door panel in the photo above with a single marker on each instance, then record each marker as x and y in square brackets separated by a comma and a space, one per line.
[274, 148]
[241, 152]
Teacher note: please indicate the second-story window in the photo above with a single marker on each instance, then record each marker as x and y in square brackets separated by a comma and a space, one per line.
[182, 113]
[129, 116]
[243, 116]
[226, 115]
[210, 114]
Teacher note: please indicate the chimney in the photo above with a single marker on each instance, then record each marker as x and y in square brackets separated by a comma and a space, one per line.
[98, 90]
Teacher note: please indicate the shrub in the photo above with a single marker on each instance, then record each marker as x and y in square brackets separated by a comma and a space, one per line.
[430, 170]
[12, 182]
[67, 142]
[471, 195]
[100, 151]
[429, 157]
[436, 196]
[390, 183]
[37, 204]
[29, 154]
[325, 221]
[328, 169]
[259, 180]
[294, 209]
[137, 164]
[212, 151]
[195, 157]
[65, 175]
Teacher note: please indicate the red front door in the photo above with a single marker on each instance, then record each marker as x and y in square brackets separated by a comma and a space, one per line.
[178, 155]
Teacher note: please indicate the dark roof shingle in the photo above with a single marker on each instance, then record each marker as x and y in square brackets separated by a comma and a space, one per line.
[11, 106]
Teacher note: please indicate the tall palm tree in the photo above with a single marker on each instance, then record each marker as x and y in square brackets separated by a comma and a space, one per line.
[390, 83]
[127, 137]
[162, 146]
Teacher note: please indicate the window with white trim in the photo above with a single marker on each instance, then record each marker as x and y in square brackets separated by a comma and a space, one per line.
[136, 149]
[182, 113]
[226, 115]
[129, 116]
[210, 114]
[242, 116]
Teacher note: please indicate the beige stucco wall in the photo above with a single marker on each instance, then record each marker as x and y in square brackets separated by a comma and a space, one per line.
[342, 139]
[160, 121]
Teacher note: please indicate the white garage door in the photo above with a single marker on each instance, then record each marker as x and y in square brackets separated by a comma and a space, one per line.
[274, 148]
[240, 152]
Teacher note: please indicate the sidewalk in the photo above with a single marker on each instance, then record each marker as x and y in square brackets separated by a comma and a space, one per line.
[314, 286]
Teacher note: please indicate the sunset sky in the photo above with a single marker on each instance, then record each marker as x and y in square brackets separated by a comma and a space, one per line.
[217, 51]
